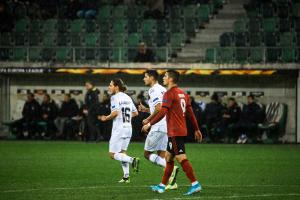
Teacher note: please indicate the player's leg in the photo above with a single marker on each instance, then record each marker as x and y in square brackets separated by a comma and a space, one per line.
[179, 149]
[125, 167]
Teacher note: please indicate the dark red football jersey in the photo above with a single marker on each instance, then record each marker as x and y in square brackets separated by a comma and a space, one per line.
[176, 101]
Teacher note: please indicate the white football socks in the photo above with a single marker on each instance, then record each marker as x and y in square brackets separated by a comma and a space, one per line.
[125, 167]
[154, 158]
[123, 157]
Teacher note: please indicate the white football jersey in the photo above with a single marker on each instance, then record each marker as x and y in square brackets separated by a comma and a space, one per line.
[156, 93]
[125, 106]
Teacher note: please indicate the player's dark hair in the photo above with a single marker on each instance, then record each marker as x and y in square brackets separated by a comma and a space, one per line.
[48, 96]
[174, 75]
[152, 73]
[90, 82]
[68, 95]
[231, 99]
[30, 94]
[118, 82]
[251, 96]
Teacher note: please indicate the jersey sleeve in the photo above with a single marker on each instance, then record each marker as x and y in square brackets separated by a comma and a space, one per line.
[156, 97]
[133, 108]
[114, 104]
[167, 100]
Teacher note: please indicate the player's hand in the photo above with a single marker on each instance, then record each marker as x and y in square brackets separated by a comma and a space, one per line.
[146, 121]
[102, 118]
[198, 136]
[145, 128]
[142, 108]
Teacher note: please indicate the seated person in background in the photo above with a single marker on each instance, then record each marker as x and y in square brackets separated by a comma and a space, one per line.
[212, 116]
[230, 117]
[198, 114]
[64, 122]
[252, 115]
[88, 9]
[49, 112]
[27, 125]
[144, 54]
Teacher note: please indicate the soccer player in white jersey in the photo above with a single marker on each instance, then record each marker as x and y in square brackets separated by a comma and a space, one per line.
[122, 110]
[157, 139]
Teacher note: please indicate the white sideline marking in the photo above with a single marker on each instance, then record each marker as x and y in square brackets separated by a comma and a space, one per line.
[132, 186]
[232, 197]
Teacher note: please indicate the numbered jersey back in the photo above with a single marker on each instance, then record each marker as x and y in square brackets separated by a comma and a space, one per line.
[122, 103]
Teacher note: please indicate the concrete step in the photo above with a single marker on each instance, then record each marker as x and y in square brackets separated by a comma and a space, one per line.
[188, 59]
[213, 31]
[202, 45]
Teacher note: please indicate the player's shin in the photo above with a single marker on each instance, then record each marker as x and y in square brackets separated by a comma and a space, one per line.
[167, 172]
[154, 158]
[125, 167]
[123, 157]
[188, 169]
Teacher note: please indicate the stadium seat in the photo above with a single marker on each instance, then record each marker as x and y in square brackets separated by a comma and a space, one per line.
[35, 25]
[49, 39]
[285, 24]
[119, 12]
[161, 54]
[119, 40]
[176, 12]
[270, 39]
[50, 25]
[6, 39]
[21, 39]
[76, 40]
[210, 55]
[254, 25]
[105, 40]
[177, 40]
[63, 39]
[22, 26]
[241, 55]
[119, 55]
[133, 26]
[283, 10]
[190, 26]
[47, 54]
[132, 53]
[255, 39]
[297, 25]
[161, 39]
[177, 26]
[34, 39]
[135, 12]
[149, 39]
[104, 26]
[64, 54]
[226, 39]
[287, 39]
[225, 55]
[149, 26]
[91, 54]
[104, 54]
[240, 26]
[91, 39]
[63, 26]
[91, 26]
[269, 25]
[134, 39]
[120, 26]
[34, 54]
[105, 12]
[241, 39]
[19, 54]
[272, 55]
[162, 26]
[77, 26]
[288, 55]
[256, 55]
[189, 12]
[203, 13]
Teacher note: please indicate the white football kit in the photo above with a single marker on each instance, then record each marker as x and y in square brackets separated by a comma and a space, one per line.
[157, 138]
[122, 130]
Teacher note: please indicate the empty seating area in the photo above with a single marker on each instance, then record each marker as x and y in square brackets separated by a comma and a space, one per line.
[269, 33]
[112, 36]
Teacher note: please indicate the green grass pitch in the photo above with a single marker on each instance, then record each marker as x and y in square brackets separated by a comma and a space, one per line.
[73, 170]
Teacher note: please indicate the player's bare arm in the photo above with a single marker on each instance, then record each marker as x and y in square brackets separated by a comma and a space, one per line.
[111, 116]
[157, 108]
[134, 114]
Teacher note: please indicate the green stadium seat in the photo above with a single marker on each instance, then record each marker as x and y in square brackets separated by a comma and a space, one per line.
[76, 40]
[63, 26]
[91, 26]
[176, 12]
[119, 55]
[133, 26]
[63, 39]
[21, 39]
[120, 12]
[91, 54]
[6, 39]
[190, 27]
[119, 40]
[270, 39]
[22, 26]
[218, 3]
[92, 39]
[50, 25]
[35, 26]
[34, 39]
[4, 53]
[49, 39]
[253, 14]
[269, 25]
[203, 13]
[241, 55]
[104, 26]
[104, 55]
[255, 39]
[256, 55]
[162, 39]
[105, 12]
[19, 54]
[105, 40]
[254, 25]
[149, 26]
[177, 40]
[134, 39]
[120, 26]
[189, 12]
[162, 26]
[149, 39]
[79, 55]
[272, 55]
[288, 55]
[47, 54]
[241, 39]
[77, 26]
[161, 54]
[34, 54]
[225, 55]
[64, 54]
[226, 39]
[210, 55]
[287, 39]
[240, 26]
[285, 25]
[177, 26]
[136, 12]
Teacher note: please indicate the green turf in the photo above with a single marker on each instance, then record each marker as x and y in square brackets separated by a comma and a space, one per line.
[71, 170]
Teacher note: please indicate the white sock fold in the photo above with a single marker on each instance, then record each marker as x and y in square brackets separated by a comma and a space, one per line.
[154, 158]
[125, 167]
[123, 157]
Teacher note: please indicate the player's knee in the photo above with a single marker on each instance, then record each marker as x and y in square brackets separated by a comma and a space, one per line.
[147, 155]
[180, 157]
[111, 155]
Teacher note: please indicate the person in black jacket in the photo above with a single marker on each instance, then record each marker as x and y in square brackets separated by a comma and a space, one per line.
[144, 54]
[251, 116]
[49, 113]
[91, 100]
[64, 122]
[212, 116]
[31, 114]
[198, 114]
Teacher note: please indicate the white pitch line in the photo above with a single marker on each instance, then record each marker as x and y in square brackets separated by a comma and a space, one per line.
[230, 197]
[132, 186]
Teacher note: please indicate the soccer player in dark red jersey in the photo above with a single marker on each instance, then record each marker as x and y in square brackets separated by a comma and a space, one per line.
[176, 106]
